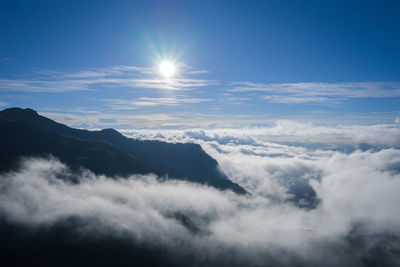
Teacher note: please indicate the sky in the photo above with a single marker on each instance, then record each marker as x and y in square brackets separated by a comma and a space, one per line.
[95, 64]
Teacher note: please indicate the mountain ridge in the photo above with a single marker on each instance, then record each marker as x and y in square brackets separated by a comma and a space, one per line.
[27, 133]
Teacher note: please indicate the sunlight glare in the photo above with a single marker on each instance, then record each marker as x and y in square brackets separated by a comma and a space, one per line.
[167, 69]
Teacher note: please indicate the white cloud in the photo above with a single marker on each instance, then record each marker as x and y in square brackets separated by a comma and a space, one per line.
[294, 99]
[199, 71]
[319, 92]
[268, 227]
[122, 104]
[93, 119]
[284, 131]
[125, 76]
[121, 76]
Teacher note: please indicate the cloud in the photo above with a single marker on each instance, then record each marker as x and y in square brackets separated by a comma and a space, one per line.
[125, 76]
[122, 104]
[294, 99]
[93, 119]
[38, 85]
[302, 92]
[84, 117]
[88, 80]
[198, 71]
[285, 132]
[307, 207]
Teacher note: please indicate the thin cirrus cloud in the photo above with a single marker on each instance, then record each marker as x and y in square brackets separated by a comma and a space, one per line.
[87, 80]
[93, 119]
[301, 92]
[122, 104]
[125, 76]
[198, 71]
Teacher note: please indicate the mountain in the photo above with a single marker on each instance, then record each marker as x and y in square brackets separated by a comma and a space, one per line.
[26, 133]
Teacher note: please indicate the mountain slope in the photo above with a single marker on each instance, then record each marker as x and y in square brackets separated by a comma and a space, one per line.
[22, 139]
[26, 133]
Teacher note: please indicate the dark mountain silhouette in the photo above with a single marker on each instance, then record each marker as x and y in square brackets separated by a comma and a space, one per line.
[26, 133]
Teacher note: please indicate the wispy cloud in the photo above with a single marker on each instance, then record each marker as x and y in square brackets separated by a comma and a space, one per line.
[198, 71]
[125, 76]
[318, 92]
[294, 99]
[51, 86]
[92, 119]
[132, 118]
[117, 76]
[237, 100]
[152, 101]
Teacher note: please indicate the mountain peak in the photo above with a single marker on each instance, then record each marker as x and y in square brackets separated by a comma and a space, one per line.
[19, 111]
[110, 131]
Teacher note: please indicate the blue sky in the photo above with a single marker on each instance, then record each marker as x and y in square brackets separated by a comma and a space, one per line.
[95, 64]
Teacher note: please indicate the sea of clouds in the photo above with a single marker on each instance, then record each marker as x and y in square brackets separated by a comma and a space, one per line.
[318, 196]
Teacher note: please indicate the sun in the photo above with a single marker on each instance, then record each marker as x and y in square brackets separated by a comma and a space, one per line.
[167, 69]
